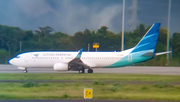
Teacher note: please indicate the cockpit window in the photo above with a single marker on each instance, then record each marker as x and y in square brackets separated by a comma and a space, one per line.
[17, 56]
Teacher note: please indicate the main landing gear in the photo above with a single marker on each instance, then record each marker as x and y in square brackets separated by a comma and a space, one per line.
[25, 70]
[82, 70]
[90, 70]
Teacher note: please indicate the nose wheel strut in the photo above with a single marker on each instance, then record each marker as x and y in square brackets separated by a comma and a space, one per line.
[25, 70]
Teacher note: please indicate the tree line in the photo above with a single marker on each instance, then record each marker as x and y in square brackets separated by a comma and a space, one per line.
[14, 39]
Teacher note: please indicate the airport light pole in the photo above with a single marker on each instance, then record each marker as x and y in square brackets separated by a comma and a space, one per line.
[168, 29]
[122, 39]
[88, 46]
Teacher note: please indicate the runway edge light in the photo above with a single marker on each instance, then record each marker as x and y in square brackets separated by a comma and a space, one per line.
[88, 93]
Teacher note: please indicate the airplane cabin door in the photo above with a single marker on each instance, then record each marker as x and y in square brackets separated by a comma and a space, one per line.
[130, 58]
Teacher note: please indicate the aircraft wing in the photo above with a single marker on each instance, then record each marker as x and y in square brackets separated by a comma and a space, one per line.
[77, 62]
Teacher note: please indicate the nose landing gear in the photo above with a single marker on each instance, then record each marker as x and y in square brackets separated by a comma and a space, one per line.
[25, 70]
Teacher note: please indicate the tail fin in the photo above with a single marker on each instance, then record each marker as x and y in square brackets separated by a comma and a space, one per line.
[149, 41]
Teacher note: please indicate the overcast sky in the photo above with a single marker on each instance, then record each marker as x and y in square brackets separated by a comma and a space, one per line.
[70, 16]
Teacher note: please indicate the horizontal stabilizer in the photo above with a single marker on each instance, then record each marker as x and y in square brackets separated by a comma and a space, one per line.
[148, 54]
[161, 53]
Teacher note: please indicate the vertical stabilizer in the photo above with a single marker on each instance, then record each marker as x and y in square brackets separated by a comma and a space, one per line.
[149, 41]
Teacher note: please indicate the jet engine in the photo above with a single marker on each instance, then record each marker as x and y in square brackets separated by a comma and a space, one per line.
[60, 66]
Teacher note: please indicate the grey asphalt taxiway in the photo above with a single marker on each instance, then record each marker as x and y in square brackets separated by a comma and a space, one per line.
[128, 69]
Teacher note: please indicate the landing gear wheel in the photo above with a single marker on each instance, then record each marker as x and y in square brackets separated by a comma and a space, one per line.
[82, 69]
[25, 71]
[90, 70]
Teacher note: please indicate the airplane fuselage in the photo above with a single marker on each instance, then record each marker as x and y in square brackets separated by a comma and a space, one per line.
[92, 59]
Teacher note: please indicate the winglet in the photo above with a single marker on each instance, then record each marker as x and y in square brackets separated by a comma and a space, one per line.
[79, 53]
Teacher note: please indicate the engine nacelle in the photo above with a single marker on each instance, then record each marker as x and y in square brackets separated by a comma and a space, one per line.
[60, 66]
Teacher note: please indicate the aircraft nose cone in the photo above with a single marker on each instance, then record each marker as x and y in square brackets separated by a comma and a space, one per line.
[11, 61]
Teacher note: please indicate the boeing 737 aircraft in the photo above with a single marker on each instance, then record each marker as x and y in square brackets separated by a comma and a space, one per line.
[79, 61]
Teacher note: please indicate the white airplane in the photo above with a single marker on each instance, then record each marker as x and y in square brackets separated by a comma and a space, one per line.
[79, 61]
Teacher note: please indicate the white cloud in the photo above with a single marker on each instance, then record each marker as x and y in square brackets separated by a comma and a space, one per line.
[70, 16]
[34, 8]
[105, 16]
[67, 16]
[78, 17]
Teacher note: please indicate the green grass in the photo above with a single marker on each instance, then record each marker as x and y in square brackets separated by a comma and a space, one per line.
[101, 90]
[75, 91]
[92, 77]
